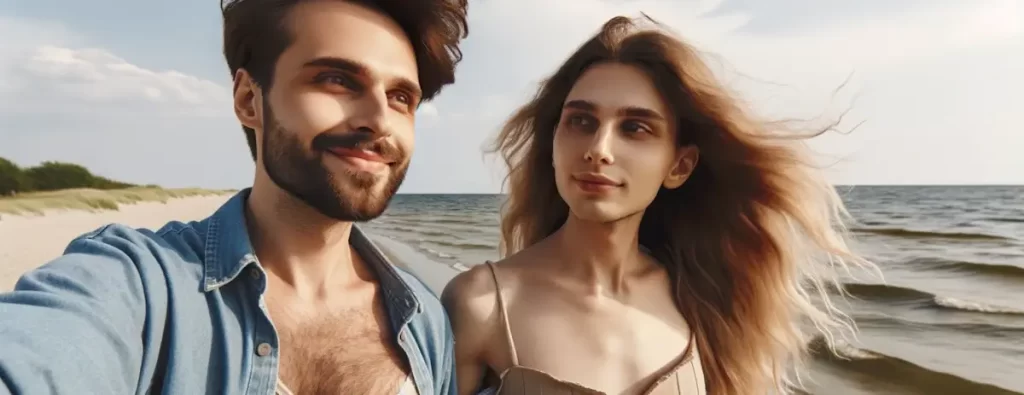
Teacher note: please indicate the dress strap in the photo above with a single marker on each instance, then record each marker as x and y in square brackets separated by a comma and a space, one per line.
[504, 314]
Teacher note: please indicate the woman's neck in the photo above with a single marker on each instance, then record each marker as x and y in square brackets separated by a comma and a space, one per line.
[605, 255]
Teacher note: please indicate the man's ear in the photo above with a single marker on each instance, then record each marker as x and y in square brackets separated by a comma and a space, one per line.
[248, 98]
[686, 162]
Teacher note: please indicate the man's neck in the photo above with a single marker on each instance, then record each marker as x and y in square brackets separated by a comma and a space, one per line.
[305, 249]
[606, 255]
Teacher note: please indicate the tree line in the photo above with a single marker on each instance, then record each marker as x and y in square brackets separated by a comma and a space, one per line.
[50, 176]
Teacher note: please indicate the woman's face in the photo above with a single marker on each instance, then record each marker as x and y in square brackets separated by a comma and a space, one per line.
[615, 144]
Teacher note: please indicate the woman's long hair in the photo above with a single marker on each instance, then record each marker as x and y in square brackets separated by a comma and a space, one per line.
[743, 240]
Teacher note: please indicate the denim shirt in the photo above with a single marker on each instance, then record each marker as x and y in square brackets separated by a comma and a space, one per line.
[181, 311]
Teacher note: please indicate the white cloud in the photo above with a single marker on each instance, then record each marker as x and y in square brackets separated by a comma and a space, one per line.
[52, 79]
[49, 70]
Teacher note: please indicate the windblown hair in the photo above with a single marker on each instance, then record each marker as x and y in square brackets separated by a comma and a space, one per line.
[753, 232]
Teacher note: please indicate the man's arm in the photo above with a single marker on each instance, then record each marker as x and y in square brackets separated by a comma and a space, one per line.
[75, 325]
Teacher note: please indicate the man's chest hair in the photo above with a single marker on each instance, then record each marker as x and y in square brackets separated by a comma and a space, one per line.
[348, 353]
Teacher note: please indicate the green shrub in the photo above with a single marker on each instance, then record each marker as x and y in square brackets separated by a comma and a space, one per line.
[12, 179]
[53, 176]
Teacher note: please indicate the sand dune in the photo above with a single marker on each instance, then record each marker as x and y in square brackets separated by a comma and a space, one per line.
[27, 242]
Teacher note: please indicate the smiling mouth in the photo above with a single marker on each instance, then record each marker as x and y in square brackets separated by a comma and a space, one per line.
[595, 183]
[359, 159]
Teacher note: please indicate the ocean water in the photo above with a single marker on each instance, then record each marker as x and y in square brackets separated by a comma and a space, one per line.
[948, 319]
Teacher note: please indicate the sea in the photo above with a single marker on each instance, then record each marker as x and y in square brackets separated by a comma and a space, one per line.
[946, 317]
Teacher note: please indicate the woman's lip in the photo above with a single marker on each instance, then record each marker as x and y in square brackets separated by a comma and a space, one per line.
[594, 187]
[596, 178]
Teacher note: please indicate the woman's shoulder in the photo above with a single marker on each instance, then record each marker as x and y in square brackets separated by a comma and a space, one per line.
[472, 283]
[469, 297]
[475, 290]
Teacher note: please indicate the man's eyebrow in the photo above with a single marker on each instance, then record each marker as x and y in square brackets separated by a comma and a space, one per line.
[631, 111]
[359, 69]
[339, 64]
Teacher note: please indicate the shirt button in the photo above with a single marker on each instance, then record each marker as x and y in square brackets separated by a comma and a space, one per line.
[254, 273]
[263, 349]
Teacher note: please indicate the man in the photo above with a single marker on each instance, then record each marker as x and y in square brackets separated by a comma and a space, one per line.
[277, 291]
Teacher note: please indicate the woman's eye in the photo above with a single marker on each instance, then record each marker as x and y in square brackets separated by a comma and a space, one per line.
[634, 127]
[579, 121]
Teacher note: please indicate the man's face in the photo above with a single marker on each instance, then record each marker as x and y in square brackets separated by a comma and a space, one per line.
[337, 124]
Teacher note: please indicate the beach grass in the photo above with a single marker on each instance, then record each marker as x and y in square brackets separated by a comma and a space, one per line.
[38, 203]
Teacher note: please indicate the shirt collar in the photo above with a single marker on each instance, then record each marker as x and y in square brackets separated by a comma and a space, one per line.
[229, 251]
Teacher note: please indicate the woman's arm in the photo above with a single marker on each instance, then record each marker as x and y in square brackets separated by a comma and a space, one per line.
[469, 301]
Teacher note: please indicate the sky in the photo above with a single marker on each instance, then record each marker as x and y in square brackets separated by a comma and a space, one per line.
[139, 91]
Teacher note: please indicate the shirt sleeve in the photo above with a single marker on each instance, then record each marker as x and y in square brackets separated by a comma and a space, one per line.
[449, 386]
[75, 325]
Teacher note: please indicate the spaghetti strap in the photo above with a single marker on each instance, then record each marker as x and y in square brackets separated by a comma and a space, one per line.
[504, 314]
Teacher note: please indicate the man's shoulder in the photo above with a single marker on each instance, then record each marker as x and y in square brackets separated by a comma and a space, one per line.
[176, 251]
[173, 236]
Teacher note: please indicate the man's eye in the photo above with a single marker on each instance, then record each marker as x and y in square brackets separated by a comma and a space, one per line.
[402, 98]
[334, 79]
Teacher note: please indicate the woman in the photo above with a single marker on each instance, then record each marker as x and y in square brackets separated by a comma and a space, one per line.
[657, 239]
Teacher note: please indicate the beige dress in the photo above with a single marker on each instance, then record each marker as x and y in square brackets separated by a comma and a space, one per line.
[685, 377]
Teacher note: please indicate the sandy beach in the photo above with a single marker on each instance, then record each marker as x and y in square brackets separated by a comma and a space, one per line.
[32, 240]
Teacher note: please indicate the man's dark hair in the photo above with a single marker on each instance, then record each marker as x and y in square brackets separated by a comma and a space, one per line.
[255, 35]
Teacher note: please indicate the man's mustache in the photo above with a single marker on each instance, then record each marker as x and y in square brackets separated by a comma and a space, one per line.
[360, 141]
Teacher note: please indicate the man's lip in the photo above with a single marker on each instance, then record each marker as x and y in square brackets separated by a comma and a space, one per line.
[596, 178]
[358, 153]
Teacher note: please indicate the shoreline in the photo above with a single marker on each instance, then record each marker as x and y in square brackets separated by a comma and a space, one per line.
[434, 274]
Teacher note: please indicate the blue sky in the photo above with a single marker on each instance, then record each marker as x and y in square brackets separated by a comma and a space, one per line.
[138, 90]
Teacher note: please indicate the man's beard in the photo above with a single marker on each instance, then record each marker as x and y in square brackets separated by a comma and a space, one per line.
[349, 197]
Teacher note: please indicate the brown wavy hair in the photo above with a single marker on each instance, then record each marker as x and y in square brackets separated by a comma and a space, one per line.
[743, 240]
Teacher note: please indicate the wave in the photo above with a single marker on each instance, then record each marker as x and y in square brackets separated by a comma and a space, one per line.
[876, 320]
[898, 371]
[968, 267]
[453, 220]
[438, 254]
[463, 245]
[1007, 220]
[418, 231]
[896, 294]
[922, 234]
[432, 225]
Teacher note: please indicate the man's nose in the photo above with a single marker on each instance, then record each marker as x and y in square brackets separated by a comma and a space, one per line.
[370, 114]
